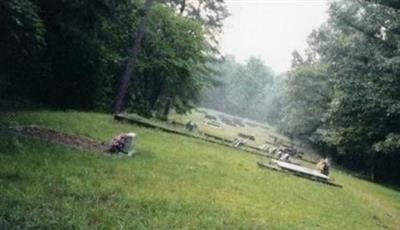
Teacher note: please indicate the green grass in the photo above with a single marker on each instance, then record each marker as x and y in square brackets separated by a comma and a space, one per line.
[229, 132]
[261, 134]
[173, 182]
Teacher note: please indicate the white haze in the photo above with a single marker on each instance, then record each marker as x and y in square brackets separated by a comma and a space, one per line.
[270, 29]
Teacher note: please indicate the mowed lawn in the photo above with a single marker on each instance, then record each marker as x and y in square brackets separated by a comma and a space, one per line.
[173, 182]
[228, 132]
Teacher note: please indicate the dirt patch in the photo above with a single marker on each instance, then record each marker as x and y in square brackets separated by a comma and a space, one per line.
[53, 136]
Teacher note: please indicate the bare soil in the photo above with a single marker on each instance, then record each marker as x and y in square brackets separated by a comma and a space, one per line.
[53, 136]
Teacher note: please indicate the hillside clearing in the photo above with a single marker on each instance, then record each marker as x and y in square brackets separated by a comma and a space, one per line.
[172, 182]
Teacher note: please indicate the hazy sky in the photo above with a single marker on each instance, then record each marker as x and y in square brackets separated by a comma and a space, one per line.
[270, 29]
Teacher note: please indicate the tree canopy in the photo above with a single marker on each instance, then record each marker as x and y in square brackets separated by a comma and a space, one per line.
[70, 54]
[344, 95]
[242, 89]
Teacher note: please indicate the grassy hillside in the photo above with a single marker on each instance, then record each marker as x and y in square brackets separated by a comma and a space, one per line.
[261, 134]
[172, 182]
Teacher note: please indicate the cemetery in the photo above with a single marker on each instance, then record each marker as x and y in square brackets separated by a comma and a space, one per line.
[188, 174]
[200, 114]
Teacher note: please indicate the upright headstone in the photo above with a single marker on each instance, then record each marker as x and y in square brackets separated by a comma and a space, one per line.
[130, 144]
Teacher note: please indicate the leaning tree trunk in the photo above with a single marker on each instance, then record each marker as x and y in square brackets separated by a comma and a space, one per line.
[132, 61]
[183, 6]
[167, 107]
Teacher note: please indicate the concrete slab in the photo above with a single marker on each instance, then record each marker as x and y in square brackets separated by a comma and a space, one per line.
[300, 169]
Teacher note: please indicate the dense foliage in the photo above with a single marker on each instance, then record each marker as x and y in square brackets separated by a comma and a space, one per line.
[242, 89]
[344, 95]
[70, 54]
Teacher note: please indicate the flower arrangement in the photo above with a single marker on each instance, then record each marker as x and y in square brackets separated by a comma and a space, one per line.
[118, 143]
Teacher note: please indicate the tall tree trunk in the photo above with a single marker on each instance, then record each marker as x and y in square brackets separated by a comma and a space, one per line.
[183, 6]
[132, 61]
[158, 86]
[167, 107]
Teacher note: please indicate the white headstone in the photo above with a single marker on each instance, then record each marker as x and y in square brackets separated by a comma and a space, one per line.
[130, 144]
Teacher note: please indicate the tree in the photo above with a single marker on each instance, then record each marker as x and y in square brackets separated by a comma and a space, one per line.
[357, 51]
[132, 61]
[243, 89]
[306, 100]
[173, 65]
[70, 54]
[390, 3]
[22, 45]
[209, 13]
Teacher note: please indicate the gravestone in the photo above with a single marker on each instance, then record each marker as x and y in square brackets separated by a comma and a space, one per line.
[192, 126]
[214, 124]
[211, 117]
[238, 141]
[264, 147]
[130, 144]
[246, 136]
[124, 143]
